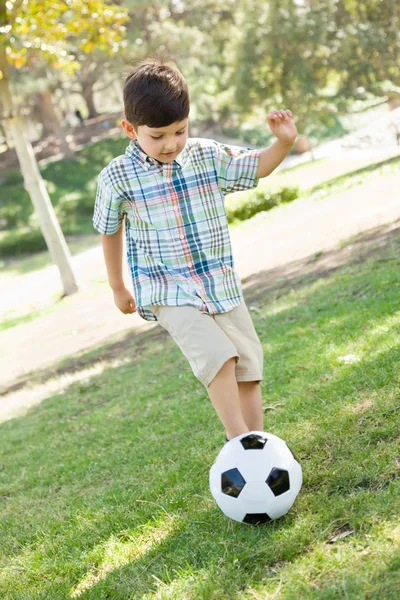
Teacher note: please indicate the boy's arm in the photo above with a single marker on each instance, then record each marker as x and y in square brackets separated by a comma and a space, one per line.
[113, 253]
[282, 126]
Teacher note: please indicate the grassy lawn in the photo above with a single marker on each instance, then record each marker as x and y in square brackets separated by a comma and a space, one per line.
[308, 175]
[104, 487]
[331, 175]
[10, 322]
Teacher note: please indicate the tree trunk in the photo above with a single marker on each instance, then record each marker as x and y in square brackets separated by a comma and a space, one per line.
[6, 135]
[51, 122]
[46, 113]
[35, 185]
[87, 93]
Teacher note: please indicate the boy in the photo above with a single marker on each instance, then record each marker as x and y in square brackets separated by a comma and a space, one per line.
[169, 190]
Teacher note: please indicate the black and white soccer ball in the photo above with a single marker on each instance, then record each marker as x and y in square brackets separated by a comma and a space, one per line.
[255, 478]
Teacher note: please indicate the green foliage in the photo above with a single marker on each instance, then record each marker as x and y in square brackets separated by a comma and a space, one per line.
[196, 34]
[15, 204]
[259, 200]
[11, 177]
[48, 29]
[310, 57]
[369, 47]
[282, 59]
[250, 134]
[328, 127]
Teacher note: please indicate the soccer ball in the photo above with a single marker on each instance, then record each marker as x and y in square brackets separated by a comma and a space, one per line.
[255, 478]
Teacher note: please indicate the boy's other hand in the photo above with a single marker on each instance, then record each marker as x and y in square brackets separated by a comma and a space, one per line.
[282, 125]
[124, 301]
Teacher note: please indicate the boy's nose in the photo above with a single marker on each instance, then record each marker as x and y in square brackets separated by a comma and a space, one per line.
[170, 147]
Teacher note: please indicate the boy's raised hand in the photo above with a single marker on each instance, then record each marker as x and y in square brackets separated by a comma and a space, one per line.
[125, 301]
[282, 125]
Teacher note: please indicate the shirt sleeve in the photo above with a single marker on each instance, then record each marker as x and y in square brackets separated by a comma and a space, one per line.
[236, 167]
[108, 215]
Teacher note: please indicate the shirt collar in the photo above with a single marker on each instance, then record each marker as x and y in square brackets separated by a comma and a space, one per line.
[134, 150]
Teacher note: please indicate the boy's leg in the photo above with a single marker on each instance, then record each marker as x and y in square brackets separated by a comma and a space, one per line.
[251, 404]
[224, 395]
[239, 327]
[206, 347]
[203, 342]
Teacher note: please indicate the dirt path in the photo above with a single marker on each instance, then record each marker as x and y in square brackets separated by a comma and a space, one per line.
[270, 240]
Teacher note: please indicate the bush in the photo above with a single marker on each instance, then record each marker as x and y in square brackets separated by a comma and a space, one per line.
[20, 242]
[251, 135]
[260, 200]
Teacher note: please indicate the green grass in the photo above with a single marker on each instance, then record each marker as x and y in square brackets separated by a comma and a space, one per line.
[331, 176]
[104, 487]
[356, 177]
[8, 322]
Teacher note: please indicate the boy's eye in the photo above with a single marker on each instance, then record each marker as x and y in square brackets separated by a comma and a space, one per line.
[155, 137]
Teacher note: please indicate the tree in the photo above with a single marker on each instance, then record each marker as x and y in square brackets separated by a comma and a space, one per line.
[368, 53]
[315, 56]
[283, 59]
[96, 73]
[195, 33]
[41, 31]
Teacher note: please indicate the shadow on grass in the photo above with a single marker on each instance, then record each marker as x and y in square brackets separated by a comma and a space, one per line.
[138, 342]
[272, 284]
[138, 444]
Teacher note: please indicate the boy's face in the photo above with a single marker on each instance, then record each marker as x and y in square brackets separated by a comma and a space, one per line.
[162, 143]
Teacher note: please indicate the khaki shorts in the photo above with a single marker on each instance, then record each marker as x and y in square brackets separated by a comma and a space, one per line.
[208, 341]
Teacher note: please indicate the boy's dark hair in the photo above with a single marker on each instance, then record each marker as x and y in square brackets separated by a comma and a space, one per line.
[155, 94]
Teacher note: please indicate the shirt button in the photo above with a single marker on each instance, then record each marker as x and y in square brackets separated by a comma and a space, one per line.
[190, 264]
[182, 236]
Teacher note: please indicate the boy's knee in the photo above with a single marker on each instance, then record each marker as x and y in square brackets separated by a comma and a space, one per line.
[225, 371]
[229, 366]
[230, 363]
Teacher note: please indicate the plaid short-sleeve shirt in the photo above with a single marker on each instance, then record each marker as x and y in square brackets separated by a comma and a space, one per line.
[177, 237]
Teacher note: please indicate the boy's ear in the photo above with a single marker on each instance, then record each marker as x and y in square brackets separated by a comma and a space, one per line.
[128, 129]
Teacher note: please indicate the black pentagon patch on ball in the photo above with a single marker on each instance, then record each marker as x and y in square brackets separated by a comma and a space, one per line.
[232, 483]
[278, 481]
[254, 441]
[256, 518]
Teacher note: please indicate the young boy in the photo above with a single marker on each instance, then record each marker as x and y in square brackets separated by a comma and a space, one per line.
[169, 191]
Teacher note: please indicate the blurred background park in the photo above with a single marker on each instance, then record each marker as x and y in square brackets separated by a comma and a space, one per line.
[316, 244]
[334, 63]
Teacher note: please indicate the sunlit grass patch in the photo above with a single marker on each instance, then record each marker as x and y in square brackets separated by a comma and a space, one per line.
[121, 549]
